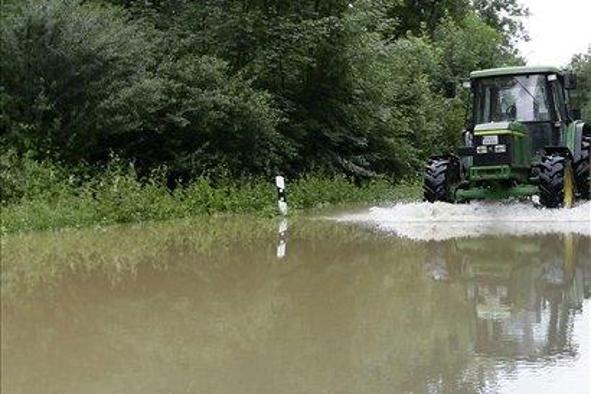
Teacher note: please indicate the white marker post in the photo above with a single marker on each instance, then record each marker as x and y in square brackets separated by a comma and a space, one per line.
[281, 196]
[282, 205]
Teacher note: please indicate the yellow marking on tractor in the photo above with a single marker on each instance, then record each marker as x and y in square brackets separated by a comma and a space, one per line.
[500, 132]
[569, 187]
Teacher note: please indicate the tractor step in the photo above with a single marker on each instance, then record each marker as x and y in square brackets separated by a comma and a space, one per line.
[488, 193]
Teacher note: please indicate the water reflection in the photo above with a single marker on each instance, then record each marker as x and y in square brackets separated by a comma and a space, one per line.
[525, 293]
[209, 308]
[282, 238]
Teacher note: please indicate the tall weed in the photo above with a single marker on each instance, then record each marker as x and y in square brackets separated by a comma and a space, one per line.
[42, 195]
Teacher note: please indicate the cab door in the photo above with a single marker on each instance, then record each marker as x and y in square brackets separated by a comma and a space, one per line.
[559, 106]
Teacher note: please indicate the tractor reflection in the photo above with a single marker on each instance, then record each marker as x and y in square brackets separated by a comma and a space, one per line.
[525, 292]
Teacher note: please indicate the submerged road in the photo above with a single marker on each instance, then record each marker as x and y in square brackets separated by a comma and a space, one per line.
[480, 298]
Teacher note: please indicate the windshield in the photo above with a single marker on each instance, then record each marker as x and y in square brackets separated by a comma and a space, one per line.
[521, 98]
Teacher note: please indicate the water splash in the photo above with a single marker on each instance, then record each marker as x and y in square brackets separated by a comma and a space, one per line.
[439, 221]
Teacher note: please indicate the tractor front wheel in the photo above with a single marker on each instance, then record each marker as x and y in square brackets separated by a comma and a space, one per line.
[440, 175]
[557, 183]
[582, 170]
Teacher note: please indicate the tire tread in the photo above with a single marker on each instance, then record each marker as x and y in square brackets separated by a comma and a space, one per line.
[552, 172]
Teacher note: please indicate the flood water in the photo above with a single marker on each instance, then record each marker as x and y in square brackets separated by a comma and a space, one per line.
[381, 300]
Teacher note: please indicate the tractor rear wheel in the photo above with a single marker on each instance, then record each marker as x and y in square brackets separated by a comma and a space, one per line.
[582, 169]
[440, 175]
[557, 183]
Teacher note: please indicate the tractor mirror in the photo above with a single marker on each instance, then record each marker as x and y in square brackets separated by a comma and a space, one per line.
[450, 90]
[467, 85]
[570, 81]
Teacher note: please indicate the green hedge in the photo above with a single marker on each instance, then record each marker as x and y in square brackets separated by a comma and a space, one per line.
[41, 195]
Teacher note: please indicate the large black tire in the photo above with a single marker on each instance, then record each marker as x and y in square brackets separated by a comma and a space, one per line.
[556, 182]
[440, 175]
[581, 169]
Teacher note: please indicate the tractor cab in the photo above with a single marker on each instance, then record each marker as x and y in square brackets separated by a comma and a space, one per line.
[523, 140]
[535, 97]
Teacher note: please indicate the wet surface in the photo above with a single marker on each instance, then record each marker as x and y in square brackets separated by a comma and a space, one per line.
[366, 307]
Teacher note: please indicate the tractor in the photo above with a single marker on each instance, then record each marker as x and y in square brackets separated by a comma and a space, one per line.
[522, 140]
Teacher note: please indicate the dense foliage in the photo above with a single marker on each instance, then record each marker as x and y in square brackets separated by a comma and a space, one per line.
[243, 87]
[184, 91]
[582, 66]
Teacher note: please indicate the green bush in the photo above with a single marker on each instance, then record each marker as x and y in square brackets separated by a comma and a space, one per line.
[41, 195]
[25, 179]
[64, 65]
[80, 79]
[581, 64]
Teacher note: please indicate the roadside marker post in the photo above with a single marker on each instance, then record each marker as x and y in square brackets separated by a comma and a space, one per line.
[282, 205]
[281, 195]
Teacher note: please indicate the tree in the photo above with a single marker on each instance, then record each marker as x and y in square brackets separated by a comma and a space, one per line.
[207, 122]
[63, 66]
[506, 17]
[581, 64]
[419, 17]
[244, 87]
[81, 80]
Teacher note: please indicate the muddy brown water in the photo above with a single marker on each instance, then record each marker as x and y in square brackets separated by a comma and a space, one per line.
[208, 307]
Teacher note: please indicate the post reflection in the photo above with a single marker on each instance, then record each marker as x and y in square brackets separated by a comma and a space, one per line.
[282, 238]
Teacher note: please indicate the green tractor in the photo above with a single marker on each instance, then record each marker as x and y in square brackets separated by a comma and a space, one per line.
[523, 140]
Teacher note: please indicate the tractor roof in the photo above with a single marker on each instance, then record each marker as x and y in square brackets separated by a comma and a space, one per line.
[498, 72]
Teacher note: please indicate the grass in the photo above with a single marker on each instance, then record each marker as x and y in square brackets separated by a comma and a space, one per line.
[42, 196]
